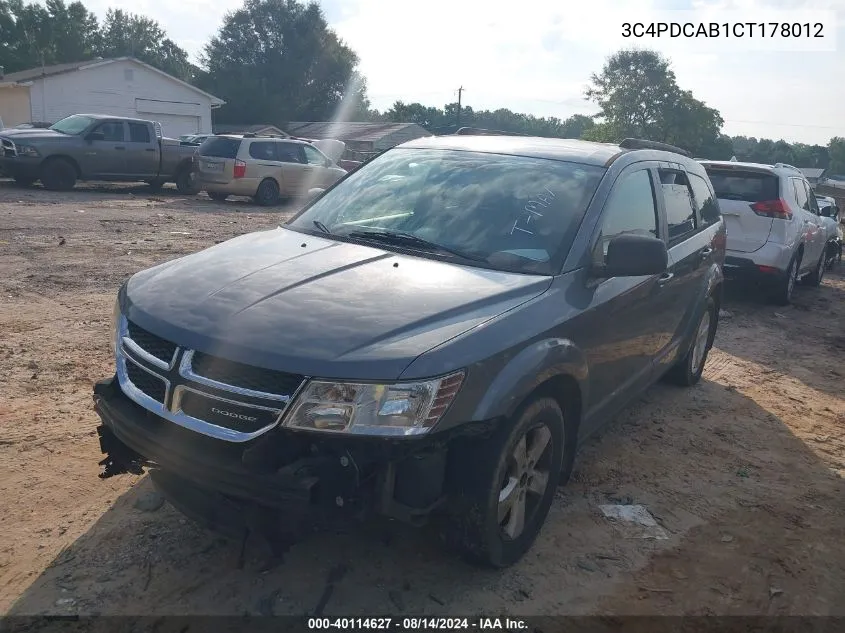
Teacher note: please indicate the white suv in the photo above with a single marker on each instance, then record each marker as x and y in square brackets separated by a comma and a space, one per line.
[774, 232]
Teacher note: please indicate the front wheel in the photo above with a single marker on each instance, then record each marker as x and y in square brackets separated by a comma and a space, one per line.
[687, 371]
[268, 193]
[503, 486]
[58, 174]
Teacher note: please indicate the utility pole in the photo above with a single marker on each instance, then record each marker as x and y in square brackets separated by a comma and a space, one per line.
[460, 92]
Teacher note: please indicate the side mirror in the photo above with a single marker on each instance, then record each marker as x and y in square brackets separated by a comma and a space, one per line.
[631, 255]
[316, 192]
[96, 136]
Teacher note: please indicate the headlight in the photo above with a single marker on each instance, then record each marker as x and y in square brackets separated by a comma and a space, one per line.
[115, 324]
[411, 408]
[27, 150]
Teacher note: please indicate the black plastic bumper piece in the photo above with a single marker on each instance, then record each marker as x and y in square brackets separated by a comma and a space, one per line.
[134, 437]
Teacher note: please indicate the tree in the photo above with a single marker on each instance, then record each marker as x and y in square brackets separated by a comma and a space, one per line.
[278, 61]
[639, 97]
[35, 34]
[836, 149]
[127, 34]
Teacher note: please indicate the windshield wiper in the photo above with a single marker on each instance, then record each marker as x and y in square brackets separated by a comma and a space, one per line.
[400, 238]
[322, 226]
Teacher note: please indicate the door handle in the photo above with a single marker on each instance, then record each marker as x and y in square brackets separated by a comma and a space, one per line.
[664, 278]
[150, 149]
[119, 147]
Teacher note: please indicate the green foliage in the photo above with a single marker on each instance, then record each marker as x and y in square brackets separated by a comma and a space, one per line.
[836, 150]
[446, 120]
[53, 33]
[126, 34]
[639, 97]
[57, 33]
[278, 60]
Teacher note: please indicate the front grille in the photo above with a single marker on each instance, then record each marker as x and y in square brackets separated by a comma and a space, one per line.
[145, 381]
[245, 376]
[152, 344]
[230, 415]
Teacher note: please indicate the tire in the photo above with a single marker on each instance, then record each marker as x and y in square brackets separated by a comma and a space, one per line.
[219, 197]
[786, 286]
[155, 185]
[477, 524]
[24, 181]
[687, 371]
[58, 174]
[268, 193]
[185, 182]
[814, 279]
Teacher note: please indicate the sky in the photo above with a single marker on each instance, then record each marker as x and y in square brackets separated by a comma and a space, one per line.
[536, 56]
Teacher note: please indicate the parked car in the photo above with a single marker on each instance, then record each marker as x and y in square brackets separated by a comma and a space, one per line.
[775, 234]
[264, 168]
[95, 147]
[827, 206]
[433, 337]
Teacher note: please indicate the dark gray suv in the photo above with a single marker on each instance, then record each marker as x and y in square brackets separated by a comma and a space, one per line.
[432, 337]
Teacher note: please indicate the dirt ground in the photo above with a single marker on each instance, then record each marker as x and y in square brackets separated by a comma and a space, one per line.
[744, 471]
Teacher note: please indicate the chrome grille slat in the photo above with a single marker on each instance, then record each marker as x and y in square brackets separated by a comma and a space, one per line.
[140, 363]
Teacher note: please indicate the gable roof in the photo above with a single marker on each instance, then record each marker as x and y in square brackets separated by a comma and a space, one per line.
[811, 172]
[351, 131]
[42, 72]
[257, 128]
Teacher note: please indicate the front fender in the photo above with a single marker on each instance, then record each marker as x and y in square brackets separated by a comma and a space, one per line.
[527, 370]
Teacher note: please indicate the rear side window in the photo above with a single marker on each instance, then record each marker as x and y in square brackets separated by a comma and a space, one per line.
[139, 133]
[288, 153]
[220, 147]
[262, 150]
[801, 196]
[748, 186]
[705, 201]
[677, 196]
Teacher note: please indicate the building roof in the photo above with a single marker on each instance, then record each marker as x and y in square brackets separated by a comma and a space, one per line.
[257, 128]
[573, 150]
[41, 72]
[811, 172]
[349, 131]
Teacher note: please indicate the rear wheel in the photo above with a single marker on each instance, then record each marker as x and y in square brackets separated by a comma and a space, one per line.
[786, 286]
[58, 174]
[268, 194]
[814, 279]
[503, 486]
[220, 197]
[687, 371]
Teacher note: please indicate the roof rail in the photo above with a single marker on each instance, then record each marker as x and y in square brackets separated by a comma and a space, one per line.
[477, 131]
[638, 143]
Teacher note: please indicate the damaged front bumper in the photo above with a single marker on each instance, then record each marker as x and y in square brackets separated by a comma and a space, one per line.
[281, 471]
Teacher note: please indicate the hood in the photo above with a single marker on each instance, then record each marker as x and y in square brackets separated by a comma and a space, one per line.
[294, 302]
[34, 134]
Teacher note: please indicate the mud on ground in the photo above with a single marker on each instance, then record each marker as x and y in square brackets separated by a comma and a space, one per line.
[744, 471]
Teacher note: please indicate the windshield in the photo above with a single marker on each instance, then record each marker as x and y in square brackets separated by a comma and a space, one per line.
[507, 212]
[73, 124]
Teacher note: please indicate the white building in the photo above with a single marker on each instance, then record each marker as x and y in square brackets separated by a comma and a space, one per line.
[122, 87]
